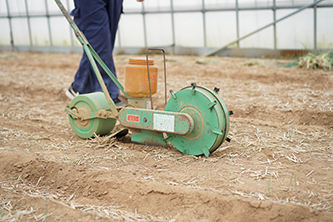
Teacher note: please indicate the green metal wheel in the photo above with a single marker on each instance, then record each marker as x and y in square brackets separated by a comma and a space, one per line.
[86, 104]
[210, 116]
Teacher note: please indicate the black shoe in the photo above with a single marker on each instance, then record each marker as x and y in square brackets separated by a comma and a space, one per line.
[71, 92]
[118, 103]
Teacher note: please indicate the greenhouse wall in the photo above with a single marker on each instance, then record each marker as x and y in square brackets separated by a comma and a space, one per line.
[186, 27]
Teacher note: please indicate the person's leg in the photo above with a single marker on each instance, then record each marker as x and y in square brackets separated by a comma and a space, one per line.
[93, 19]
[114, 9]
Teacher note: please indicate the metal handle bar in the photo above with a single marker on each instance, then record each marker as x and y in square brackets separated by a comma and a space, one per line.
[165, 82]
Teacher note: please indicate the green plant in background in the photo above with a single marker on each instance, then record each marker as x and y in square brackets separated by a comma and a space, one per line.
[312, 61]
[322, 60]
[8, 56]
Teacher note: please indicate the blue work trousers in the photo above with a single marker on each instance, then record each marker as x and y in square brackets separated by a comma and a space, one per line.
[98, 20]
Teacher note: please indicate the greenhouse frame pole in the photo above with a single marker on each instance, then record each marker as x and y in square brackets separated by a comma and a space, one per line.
[29, 26]
[70, 30]
[204, 22]
[274, 26]
[10, 28]
[237, 23]
[173, 28]
[144, 24]
[48, 22]
[264, 27]
[315, 26]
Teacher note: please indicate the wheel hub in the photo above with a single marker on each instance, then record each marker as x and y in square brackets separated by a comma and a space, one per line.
[198, 122]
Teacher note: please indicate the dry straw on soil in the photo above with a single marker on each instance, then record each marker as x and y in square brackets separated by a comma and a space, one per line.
[280, 154]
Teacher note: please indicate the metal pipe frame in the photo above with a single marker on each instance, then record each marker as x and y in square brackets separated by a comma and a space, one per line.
[48, 22]
[29, 25]
[70, 30]
[204, 23]
[274, 25]
[172, 11]
[237, 22]
[144, 25]
[10, 28]
[173, 28]
[315, 26]
[179, 11]
[262, 28]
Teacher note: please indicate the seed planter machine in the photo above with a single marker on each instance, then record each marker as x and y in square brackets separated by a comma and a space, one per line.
[195, 119]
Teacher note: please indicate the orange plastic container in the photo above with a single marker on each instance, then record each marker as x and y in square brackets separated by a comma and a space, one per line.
[136, 78]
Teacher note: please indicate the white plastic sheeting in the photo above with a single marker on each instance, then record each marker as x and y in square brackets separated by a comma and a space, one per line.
[175, 22]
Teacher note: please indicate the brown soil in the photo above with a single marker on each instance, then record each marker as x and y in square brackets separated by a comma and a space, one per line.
[278, 166]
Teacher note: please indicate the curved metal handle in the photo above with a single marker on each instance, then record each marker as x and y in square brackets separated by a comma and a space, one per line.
[165, 85]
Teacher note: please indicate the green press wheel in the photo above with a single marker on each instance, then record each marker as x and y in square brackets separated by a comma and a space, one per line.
[210, 116]
[90, 103]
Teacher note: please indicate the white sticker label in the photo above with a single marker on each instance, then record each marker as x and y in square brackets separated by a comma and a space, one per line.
[164, 122]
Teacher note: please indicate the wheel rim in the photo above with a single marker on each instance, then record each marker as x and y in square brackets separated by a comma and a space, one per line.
[211, 122]
[85, 104]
